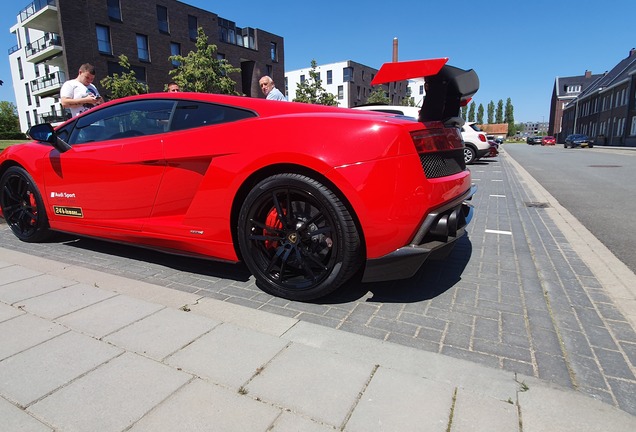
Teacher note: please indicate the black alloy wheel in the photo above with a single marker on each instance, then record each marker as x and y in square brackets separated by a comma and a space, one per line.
[297, 238]
[22, 206]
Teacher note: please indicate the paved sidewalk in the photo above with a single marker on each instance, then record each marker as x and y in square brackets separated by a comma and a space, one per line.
[82, 350]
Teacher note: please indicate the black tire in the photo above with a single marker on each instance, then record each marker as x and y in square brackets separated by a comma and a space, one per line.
[297, 238]
[469, 155]
[22, 206]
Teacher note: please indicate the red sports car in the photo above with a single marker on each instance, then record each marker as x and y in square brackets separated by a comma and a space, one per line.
[548, 141]
[307, 196]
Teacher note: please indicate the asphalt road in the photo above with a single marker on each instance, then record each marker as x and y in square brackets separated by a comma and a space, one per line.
[596, 185]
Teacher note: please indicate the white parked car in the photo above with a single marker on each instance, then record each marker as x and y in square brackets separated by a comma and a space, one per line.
[476, 144]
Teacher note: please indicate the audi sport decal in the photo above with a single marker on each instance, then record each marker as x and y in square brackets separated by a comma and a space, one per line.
[69, 211]
[62, 195]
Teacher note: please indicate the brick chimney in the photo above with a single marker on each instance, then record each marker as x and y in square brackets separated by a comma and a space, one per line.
[588, 74]
[632, 52]
[395, 49]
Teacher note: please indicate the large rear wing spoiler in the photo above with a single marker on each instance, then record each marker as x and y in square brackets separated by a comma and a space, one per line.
[448, 88]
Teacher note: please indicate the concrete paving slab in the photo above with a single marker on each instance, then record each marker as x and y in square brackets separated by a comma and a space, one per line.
[138, 289]
[16, 420]
[32, 287]
[14, 273]
[545, 407]
[64, 301]
[110, 315]
[24, 332]
[395, 401]
[290, 422]
[255, 319]
[161, 334]
[4, 264]
[228, 355]
[202, 406]
[42, 265]
[8, 312]
[38, 371]
[476, 413]
[110, 398]
[313, 383]
[477, 378]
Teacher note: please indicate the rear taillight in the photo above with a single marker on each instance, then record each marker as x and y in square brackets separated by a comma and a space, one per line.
[482, 138]
[431, 140]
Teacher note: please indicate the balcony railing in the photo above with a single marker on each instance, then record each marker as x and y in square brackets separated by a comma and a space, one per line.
[34, 8]
[13, 49]
[49, 40]
[52, 118]
[50, 81]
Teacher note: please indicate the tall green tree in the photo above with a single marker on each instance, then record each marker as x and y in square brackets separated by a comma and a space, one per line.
[201, 70]
[471, 111]
[126, 84]
[509, 116]
[491, 112]
[311, 90]
[464, 110]
[378, 96]
[9, 120]
[480, 114]
[499, 112]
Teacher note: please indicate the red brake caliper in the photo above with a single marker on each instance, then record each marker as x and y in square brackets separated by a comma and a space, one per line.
[273, 221]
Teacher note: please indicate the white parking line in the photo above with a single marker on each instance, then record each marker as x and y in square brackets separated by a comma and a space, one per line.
[498, 196]
[499, 232]
[497, 180]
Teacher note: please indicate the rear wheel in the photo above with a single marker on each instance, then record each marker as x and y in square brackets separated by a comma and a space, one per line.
[22, 206]
[469, 155]
[297, 237]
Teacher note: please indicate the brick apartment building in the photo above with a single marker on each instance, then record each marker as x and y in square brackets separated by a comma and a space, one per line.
[54, 37]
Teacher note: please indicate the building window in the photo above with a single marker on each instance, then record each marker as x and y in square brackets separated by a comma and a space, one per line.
[28, 117]
[632, 131]
[340, 92]
[302, 79]
[193, 26]
[103, 39]
[421, 89]
[329, 77]
[142, 48]
[28, 93]
[20, 71]
[227, 31]
[273, 51]
[162, 19]
[347, 74]
[270, 70]
[114, 10]
[175, 50]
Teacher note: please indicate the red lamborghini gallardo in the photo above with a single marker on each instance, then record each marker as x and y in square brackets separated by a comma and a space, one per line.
[307, 196]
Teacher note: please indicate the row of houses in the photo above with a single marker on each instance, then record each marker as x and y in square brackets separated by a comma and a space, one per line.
[602, 106]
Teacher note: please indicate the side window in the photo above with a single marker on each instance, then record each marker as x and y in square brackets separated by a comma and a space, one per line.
[145, 117]
[192, 114]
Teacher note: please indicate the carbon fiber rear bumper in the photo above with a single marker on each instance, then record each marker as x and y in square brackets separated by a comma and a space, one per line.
[436, 237]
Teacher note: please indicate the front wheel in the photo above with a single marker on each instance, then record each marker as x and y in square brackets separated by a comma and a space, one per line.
[297, 237]
[22, 206]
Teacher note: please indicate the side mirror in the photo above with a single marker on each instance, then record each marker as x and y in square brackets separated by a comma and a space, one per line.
[45, 133]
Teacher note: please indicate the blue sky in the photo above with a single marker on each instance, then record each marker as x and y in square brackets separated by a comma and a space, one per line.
[516, 48]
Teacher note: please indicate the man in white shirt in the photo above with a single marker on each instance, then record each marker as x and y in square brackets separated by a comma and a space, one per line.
[269, 89]
[79, 94]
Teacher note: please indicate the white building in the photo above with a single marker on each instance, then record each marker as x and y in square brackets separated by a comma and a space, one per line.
[349, 81]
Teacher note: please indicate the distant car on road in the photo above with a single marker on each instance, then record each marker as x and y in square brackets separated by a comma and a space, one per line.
[548, 140]
[577, 140]
[532, 140]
